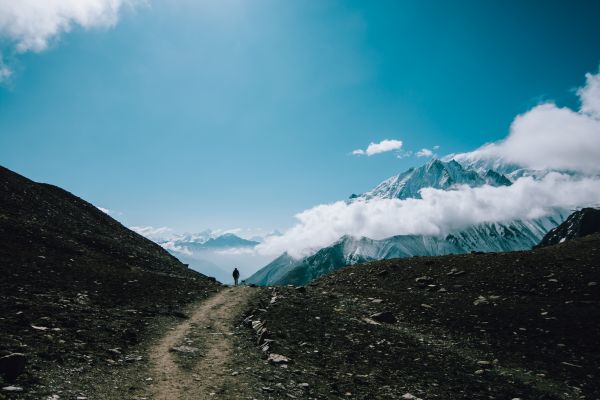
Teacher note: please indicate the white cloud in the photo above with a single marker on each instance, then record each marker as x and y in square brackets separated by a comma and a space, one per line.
[160, 234]
[31, 24]
[590, 95]
[438, 212]
[552, 137]
[424, 153]
[381, 147]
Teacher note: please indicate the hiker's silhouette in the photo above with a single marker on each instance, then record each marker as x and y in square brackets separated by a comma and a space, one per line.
[236, 275]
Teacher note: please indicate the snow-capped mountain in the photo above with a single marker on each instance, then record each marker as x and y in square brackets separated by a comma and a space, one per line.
[228, 240]
[440, 174]
[491, 237]
[481, 164]
[436, 174]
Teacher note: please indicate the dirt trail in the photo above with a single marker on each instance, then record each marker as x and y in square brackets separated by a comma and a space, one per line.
[212, 319]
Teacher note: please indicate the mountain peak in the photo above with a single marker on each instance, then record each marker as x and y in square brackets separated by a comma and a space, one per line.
[436, 173]
[435, 162]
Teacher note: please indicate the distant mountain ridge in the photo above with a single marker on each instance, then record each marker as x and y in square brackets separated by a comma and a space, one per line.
[227, 240]
[212, 253]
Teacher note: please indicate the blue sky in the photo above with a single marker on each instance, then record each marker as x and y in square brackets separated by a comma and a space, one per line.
[223, 114]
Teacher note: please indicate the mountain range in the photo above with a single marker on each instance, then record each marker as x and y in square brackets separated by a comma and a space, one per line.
[439, 174]
[227, 240]
[214, 253]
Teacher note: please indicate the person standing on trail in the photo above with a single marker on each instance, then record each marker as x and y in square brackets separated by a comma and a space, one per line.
[236, 275]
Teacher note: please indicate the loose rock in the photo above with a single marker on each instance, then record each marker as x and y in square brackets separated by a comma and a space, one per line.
[385, 317]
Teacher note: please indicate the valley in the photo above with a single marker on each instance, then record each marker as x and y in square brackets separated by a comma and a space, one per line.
[94, 310]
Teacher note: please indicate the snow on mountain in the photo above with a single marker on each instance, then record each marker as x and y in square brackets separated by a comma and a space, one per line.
[436, 174]
[483, 165]
[490, 237]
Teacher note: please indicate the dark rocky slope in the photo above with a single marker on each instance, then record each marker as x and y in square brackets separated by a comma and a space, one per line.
[79, 291]
[579, 224]
[479, 326]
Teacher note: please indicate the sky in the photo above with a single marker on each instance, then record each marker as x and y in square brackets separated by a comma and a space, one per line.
[229, 113]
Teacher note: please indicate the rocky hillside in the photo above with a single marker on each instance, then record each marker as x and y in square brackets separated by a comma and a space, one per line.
[519, 325]
[579, 224]
[36, 218]
[79, 291]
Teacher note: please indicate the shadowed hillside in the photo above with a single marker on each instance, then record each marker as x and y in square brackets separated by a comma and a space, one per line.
[579, 224]
[78, 290]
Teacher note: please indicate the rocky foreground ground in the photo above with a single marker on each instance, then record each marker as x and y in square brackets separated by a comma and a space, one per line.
[523, 325]
[519, 325]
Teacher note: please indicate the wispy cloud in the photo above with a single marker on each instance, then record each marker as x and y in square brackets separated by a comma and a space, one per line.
[5, 72]
[381, 147]
[158, 234]
[424, 153]
[31, 25]
[428, 153]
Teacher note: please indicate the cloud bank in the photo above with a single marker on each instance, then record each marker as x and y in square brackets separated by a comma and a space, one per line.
[437, 213]
[545, 137]
[381, 147]
[30, 25]
[552, 137]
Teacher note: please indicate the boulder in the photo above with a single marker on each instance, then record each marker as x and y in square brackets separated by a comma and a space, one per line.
[424, 280]
[184, 349]
[385, 317]
[278, 359]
